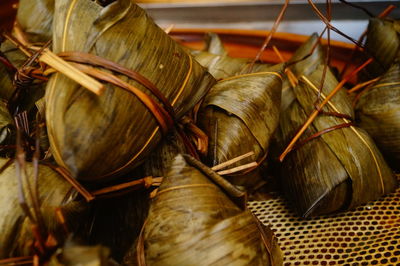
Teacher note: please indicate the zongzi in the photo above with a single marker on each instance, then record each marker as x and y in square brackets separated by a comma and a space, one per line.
[193, 222]
[378, 112]
[54, 192]
[335, 166]
[116, 127]
[240, 114]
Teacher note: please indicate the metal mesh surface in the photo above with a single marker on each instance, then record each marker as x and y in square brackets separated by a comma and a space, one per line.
[369, 235]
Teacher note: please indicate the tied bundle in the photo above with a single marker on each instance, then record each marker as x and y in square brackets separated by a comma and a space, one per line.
[335, 165]
[17, 232]
[240, 114]
[117, 128]
[378, 112]
[193, 222]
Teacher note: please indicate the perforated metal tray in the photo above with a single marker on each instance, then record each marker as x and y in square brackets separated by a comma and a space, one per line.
[369, 235]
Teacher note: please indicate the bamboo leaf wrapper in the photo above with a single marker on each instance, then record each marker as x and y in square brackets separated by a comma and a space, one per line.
[115, 128]
[54, 192]
[193, 222]
[338, 170]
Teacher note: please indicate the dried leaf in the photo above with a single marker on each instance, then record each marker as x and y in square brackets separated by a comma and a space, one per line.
[240, 114]
[214, 44]
[383, 43]
[54, 192]
[193, 222]
[378, 112]
[115, 128]
[36, 18]
[307, 57]
[339, 170]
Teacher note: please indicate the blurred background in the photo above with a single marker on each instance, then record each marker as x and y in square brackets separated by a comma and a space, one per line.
[260, 14]
[250, 14]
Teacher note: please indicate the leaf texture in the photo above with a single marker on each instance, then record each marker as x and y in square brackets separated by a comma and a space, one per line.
[193, 222]
[115, 128]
